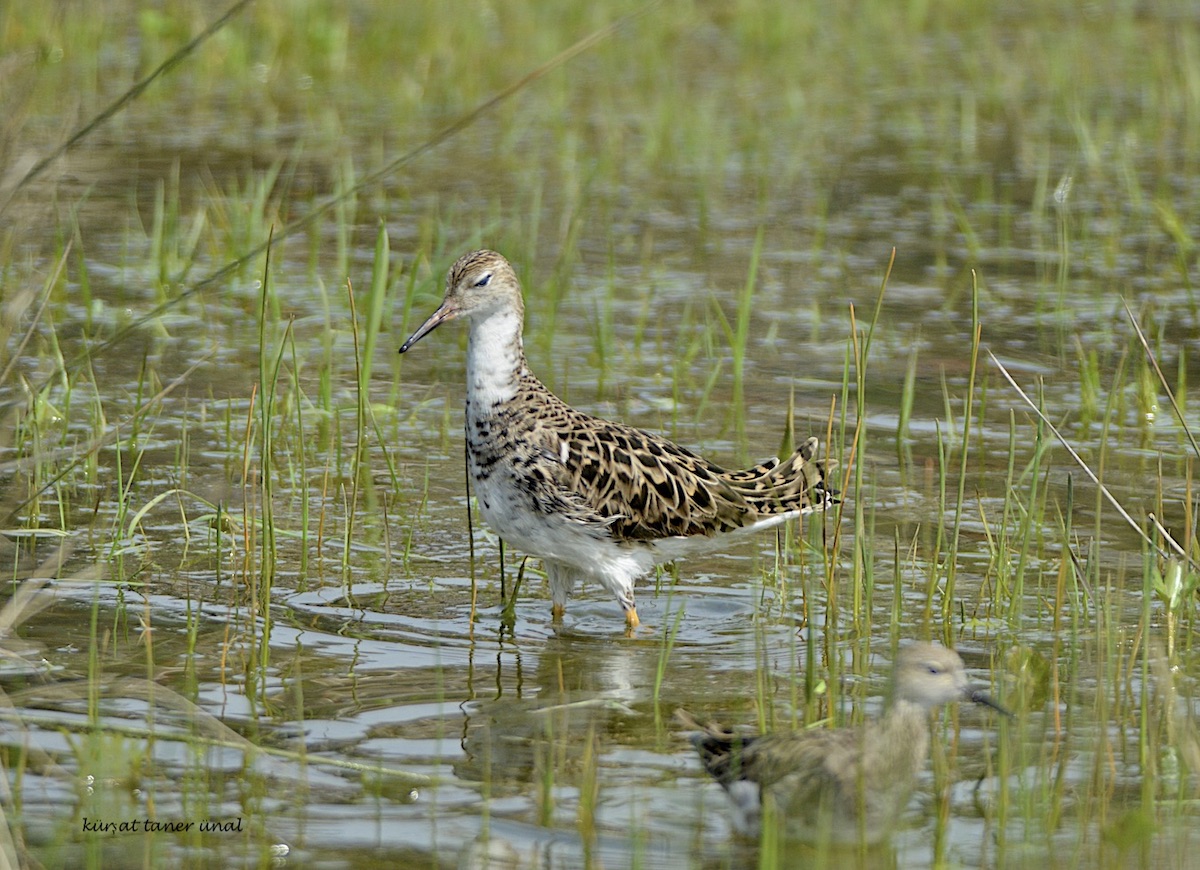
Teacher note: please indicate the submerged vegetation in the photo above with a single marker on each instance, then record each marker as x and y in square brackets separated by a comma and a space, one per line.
[248, 607]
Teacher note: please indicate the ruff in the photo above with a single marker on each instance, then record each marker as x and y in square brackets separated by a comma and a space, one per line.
[590, 497]
[841, 785]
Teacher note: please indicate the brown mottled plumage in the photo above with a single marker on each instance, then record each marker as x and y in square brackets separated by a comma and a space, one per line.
[839, 785]
[592, 497]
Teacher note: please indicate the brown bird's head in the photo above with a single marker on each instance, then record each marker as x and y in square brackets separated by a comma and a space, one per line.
[478, 284]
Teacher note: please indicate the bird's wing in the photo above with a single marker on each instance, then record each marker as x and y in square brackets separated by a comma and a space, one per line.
[647, 487]
[644, 486]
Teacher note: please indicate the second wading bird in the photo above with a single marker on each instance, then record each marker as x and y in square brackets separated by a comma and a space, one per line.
[839, 785]
[590, 497]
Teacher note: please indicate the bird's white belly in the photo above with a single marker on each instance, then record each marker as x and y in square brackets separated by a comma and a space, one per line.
[512, 513]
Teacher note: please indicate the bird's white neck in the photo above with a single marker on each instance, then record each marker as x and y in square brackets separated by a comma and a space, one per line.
[495, 359]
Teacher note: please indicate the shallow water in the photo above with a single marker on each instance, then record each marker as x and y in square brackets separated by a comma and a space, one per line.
[404, 731]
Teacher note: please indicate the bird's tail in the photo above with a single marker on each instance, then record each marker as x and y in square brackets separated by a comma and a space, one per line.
[798, 483]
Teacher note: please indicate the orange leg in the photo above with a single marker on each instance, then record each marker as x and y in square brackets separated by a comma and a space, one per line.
[557, 611]
[631, 618]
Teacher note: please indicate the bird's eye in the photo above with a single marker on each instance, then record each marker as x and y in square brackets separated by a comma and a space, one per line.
[933, 669]
[484, 279]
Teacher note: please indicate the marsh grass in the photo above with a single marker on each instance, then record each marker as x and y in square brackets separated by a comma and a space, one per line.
[1040, 513]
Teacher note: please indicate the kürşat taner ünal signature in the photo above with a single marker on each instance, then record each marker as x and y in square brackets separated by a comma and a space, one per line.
[153, 826]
